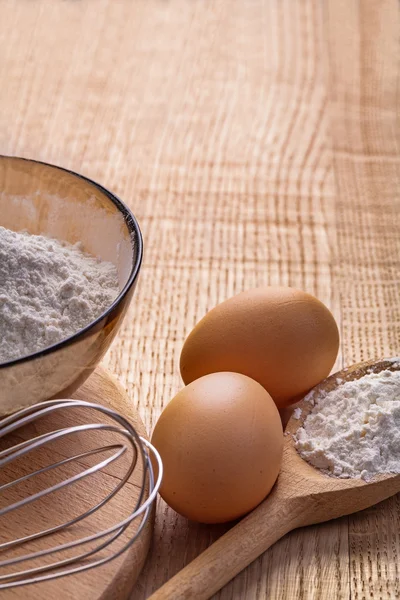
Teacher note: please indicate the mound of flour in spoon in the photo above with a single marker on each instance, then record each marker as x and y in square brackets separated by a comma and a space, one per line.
[49, 290]
[354, 430]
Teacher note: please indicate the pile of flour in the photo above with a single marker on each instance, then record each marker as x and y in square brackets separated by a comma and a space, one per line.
[49, 290]
[354, 431]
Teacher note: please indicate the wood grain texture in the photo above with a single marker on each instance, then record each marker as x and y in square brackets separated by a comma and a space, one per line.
[257, 142]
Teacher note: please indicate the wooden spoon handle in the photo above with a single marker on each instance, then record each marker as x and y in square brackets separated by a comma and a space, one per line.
[233, 551]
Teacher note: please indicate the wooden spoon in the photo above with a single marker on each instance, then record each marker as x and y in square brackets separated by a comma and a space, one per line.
[301, 496]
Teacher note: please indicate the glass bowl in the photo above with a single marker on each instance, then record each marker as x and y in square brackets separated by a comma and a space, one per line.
[49, 200]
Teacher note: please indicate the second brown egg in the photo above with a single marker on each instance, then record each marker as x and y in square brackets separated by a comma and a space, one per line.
[221, 443]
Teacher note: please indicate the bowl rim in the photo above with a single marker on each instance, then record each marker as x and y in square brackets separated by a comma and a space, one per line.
[133, 228]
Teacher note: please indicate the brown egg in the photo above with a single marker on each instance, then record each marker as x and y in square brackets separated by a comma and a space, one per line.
[283, 338]
[221, 443]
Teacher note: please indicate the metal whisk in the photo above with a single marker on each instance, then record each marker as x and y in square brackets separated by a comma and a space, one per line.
[82, 559]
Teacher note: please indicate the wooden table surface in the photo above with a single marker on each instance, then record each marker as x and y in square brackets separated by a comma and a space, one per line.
[257, 143]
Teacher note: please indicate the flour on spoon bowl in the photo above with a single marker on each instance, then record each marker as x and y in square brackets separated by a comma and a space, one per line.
[49, 290]
[354, 430]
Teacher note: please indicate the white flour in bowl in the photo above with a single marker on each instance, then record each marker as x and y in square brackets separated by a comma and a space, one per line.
[49, 290]
[354, 430]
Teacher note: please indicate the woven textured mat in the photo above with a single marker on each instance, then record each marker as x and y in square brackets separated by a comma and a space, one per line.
[257, 143]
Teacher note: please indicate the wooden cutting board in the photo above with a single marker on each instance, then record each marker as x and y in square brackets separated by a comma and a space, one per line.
[115, 579]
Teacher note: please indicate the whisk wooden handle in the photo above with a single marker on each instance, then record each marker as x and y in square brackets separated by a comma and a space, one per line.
[234, 551]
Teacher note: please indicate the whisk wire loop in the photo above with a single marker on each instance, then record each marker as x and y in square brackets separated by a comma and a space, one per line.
[86, 559]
